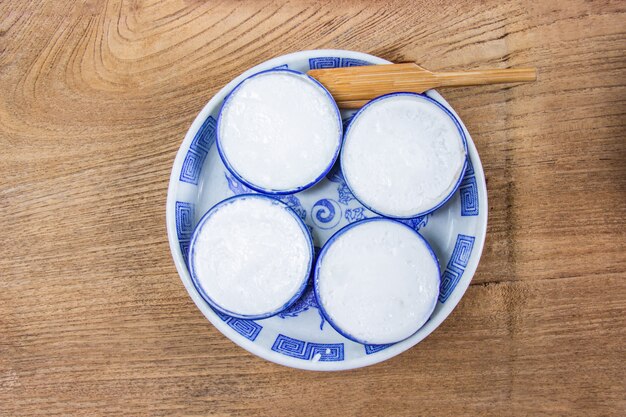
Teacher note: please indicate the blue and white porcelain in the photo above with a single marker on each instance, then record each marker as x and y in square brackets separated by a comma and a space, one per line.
[300, 337]
[432, 102]
[249, 183]
[192, 252]
[398, 292]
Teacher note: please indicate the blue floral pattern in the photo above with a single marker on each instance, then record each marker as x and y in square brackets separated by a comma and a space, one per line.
[344, 193]
[306, 302]
[294, 203]
[417, 223]
[291, 200]
[356, 214]
[236, 187]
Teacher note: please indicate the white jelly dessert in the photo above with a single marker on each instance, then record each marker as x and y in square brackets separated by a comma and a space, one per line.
[279, 131]
[377, 281]
[250, 256]
[403, 155]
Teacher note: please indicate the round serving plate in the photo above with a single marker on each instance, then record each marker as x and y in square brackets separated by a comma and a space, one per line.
[300, 337]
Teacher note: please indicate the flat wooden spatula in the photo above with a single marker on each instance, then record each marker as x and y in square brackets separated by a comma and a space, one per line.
[352, 87]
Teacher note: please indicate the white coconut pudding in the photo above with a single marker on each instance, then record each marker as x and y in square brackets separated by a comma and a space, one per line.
[250, 256]
[377, 281]
[279, 131]
[403, 155]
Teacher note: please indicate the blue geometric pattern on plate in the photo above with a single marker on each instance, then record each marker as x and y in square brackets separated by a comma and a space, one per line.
[184, 225]
[247, 328]
[192, 165]
[469, 192]
[326, 213]
[456, 266]
[335, 62]
[198, 150]
[291, 200]
[369, 349]
[324, 352]
[469, 171]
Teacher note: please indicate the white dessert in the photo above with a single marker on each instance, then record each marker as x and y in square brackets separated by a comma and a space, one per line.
[251, 256]
[279, 131]
[377, 281]
[403, 155]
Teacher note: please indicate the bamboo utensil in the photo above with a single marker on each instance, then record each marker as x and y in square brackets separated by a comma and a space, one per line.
[352, 87]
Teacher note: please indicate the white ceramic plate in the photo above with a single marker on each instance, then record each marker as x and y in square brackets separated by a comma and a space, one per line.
[299, 337]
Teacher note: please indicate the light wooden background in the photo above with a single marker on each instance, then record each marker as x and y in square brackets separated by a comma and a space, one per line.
[95, 98]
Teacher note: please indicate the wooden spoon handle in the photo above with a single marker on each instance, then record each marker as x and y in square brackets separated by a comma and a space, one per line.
[487, 76]
[352, 87]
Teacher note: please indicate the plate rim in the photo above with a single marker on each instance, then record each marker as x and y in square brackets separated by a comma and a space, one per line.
[276, 357]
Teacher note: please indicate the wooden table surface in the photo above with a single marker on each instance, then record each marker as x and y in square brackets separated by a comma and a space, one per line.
[95, 98]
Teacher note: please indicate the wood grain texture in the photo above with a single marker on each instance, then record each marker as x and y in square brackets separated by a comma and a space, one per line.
[353, 87]
[95, 98]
